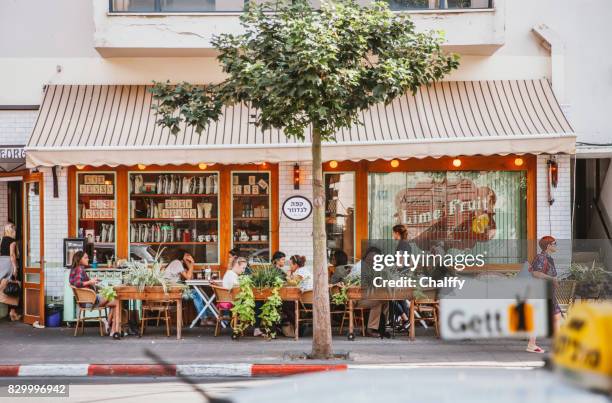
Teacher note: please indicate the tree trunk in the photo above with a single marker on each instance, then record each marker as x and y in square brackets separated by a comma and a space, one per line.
[322, 335]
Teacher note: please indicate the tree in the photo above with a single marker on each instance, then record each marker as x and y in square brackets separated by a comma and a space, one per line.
[311, 71]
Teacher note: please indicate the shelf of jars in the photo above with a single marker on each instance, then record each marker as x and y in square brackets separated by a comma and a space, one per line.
[96, 213]
[251, 213]
[175, 210]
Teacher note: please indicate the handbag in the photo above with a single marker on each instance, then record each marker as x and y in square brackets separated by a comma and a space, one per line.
[13, 288]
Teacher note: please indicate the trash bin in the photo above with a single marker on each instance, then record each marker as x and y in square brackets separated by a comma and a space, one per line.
[53, 316]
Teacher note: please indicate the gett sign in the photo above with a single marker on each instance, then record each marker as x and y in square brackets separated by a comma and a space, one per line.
[491, 318]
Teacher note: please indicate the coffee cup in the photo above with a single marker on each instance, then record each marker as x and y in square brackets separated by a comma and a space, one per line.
[213, 237]
[207, 238]
[200, 238]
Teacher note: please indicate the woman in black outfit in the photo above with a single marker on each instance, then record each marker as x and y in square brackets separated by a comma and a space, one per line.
[401, 308]
[9, 263]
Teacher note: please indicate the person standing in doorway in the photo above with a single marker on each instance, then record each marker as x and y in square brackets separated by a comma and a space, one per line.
[9, 263]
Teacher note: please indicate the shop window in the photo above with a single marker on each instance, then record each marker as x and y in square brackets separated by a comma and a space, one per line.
[251, 214]
[466, 210]
[172, 210]
[96, 214]
[340, 213]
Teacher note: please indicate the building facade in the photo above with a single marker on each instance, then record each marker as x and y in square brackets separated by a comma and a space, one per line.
[521, 62]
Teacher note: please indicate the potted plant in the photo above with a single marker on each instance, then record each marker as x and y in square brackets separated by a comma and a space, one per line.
[589, 279]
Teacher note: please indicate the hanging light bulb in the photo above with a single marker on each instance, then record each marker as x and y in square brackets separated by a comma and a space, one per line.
[142, 167]
[394, 163]
[80, 167]
[333, 164]
[202, 165]
[456, 162]
[518, 162]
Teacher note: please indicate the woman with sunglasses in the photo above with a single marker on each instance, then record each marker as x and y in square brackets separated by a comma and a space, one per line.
[543, 267]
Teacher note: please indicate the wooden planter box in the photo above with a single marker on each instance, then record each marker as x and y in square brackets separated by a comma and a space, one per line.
[353, 293]
[286, 293]
[155, 292]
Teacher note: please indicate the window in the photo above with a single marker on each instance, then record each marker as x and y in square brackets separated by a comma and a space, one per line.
[174, 210]
[340, 213]
[251, 214]
[96, 214]
[467, 210]
[175, 6]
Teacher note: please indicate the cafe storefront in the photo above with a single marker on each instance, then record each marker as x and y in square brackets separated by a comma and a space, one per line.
[460, 161]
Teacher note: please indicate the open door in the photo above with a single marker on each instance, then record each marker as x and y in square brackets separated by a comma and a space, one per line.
[33, 249]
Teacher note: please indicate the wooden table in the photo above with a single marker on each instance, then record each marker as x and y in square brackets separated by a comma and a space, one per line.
[126, 293]
[401, 294]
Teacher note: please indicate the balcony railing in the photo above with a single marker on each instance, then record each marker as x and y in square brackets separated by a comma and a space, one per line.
[207, 6]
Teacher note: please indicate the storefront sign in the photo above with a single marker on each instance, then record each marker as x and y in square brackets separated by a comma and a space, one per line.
[12, 154]
[459, 213]
[297, 208]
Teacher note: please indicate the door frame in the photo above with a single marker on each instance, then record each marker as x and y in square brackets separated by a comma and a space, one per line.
[33, 177]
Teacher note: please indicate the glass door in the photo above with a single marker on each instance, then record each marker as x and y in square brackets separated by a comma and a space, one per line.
[33, 253]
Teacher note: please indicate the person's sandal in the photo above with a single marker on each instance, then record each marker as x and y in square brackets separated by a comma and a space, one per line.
[15, 317]
[535, 349]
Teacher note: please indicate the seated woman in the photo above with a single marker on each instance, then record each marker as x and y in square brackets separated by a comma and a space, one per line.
[298, 272]
[79, 279]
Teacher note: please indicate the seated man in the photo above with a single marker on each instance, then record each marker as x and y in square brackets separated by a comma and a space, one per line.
[181, 269]
[375, 327]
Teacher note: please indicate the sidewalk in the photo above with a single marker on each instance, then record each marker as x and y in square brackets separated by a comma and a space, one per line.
[23, 344]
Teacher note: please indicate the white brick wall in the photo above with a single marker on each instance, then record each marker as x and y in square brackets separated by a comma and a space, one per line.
[56, 229]
[15, 126]
[3, 205]
[556, 220]
[295, 236]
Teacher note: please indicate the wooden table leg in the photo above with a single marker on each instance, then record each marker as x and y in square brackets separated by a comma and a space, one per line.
[412, 324]
[297, 320]
[179, 318]
[117, 322]
[351, 319]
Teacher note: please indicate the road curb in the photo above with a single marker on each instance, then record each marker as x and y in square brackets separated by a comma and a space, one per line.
[157, 370]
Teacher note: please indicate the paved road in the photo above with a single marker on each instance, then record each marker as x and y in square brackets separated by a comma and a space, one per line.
[22, 344]
[146, 390]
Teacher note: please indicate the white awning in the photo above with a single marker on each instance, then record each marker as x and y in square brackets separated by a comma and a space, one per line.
[115, 125]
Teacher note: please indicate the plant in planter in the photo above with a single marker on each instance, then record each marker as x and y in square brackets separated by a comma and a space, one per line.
[140, 275]
[590, 278]
[244, 306]
[108, 293]
[270, 311]
[340, 296]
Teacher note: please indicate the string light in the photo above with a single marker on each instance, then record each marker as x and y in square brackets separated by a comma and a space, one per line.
[202, 165]
[456, 162]
[394, 163]
[333, 164]
[142, 167]
[518, 161]
[80, 167]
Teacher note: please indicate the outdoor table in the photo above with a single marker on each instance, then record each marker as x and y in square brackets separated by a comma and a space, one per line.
[126, 293]
[401, 294]
[198, 286]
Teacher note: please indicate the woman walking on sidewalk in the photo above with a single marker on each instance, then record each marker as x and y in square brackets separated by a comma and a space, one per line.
[9, 265]
[543, 267]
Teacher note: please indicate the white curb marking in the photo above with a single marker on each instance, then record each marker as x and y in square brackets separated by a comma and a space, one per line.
[49, 370]
[197, 370]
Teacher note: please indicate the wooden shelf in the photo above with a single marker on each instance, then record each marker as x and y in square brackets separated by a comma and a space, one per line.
[145, 195]
[171, 219]
[96, 219]
[252, 242]
[258, 195]
[251, 218]
[173, 243]
[96, 195]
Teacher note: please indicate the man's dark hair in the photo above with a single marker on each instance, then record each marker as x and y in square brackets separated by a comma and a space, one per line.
[235, 251]
[371, 249]
[278, 255]
[340, 258]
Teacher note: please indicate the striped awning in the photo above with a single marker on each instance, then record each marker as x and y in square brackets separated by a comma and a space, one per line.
[115, 125]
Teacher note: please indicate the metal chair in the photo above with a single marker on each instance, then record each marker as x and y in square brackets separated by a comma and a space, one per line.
[159, 310]
[430, 307]
[86, 303]
[565, 294]
[223, 296]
